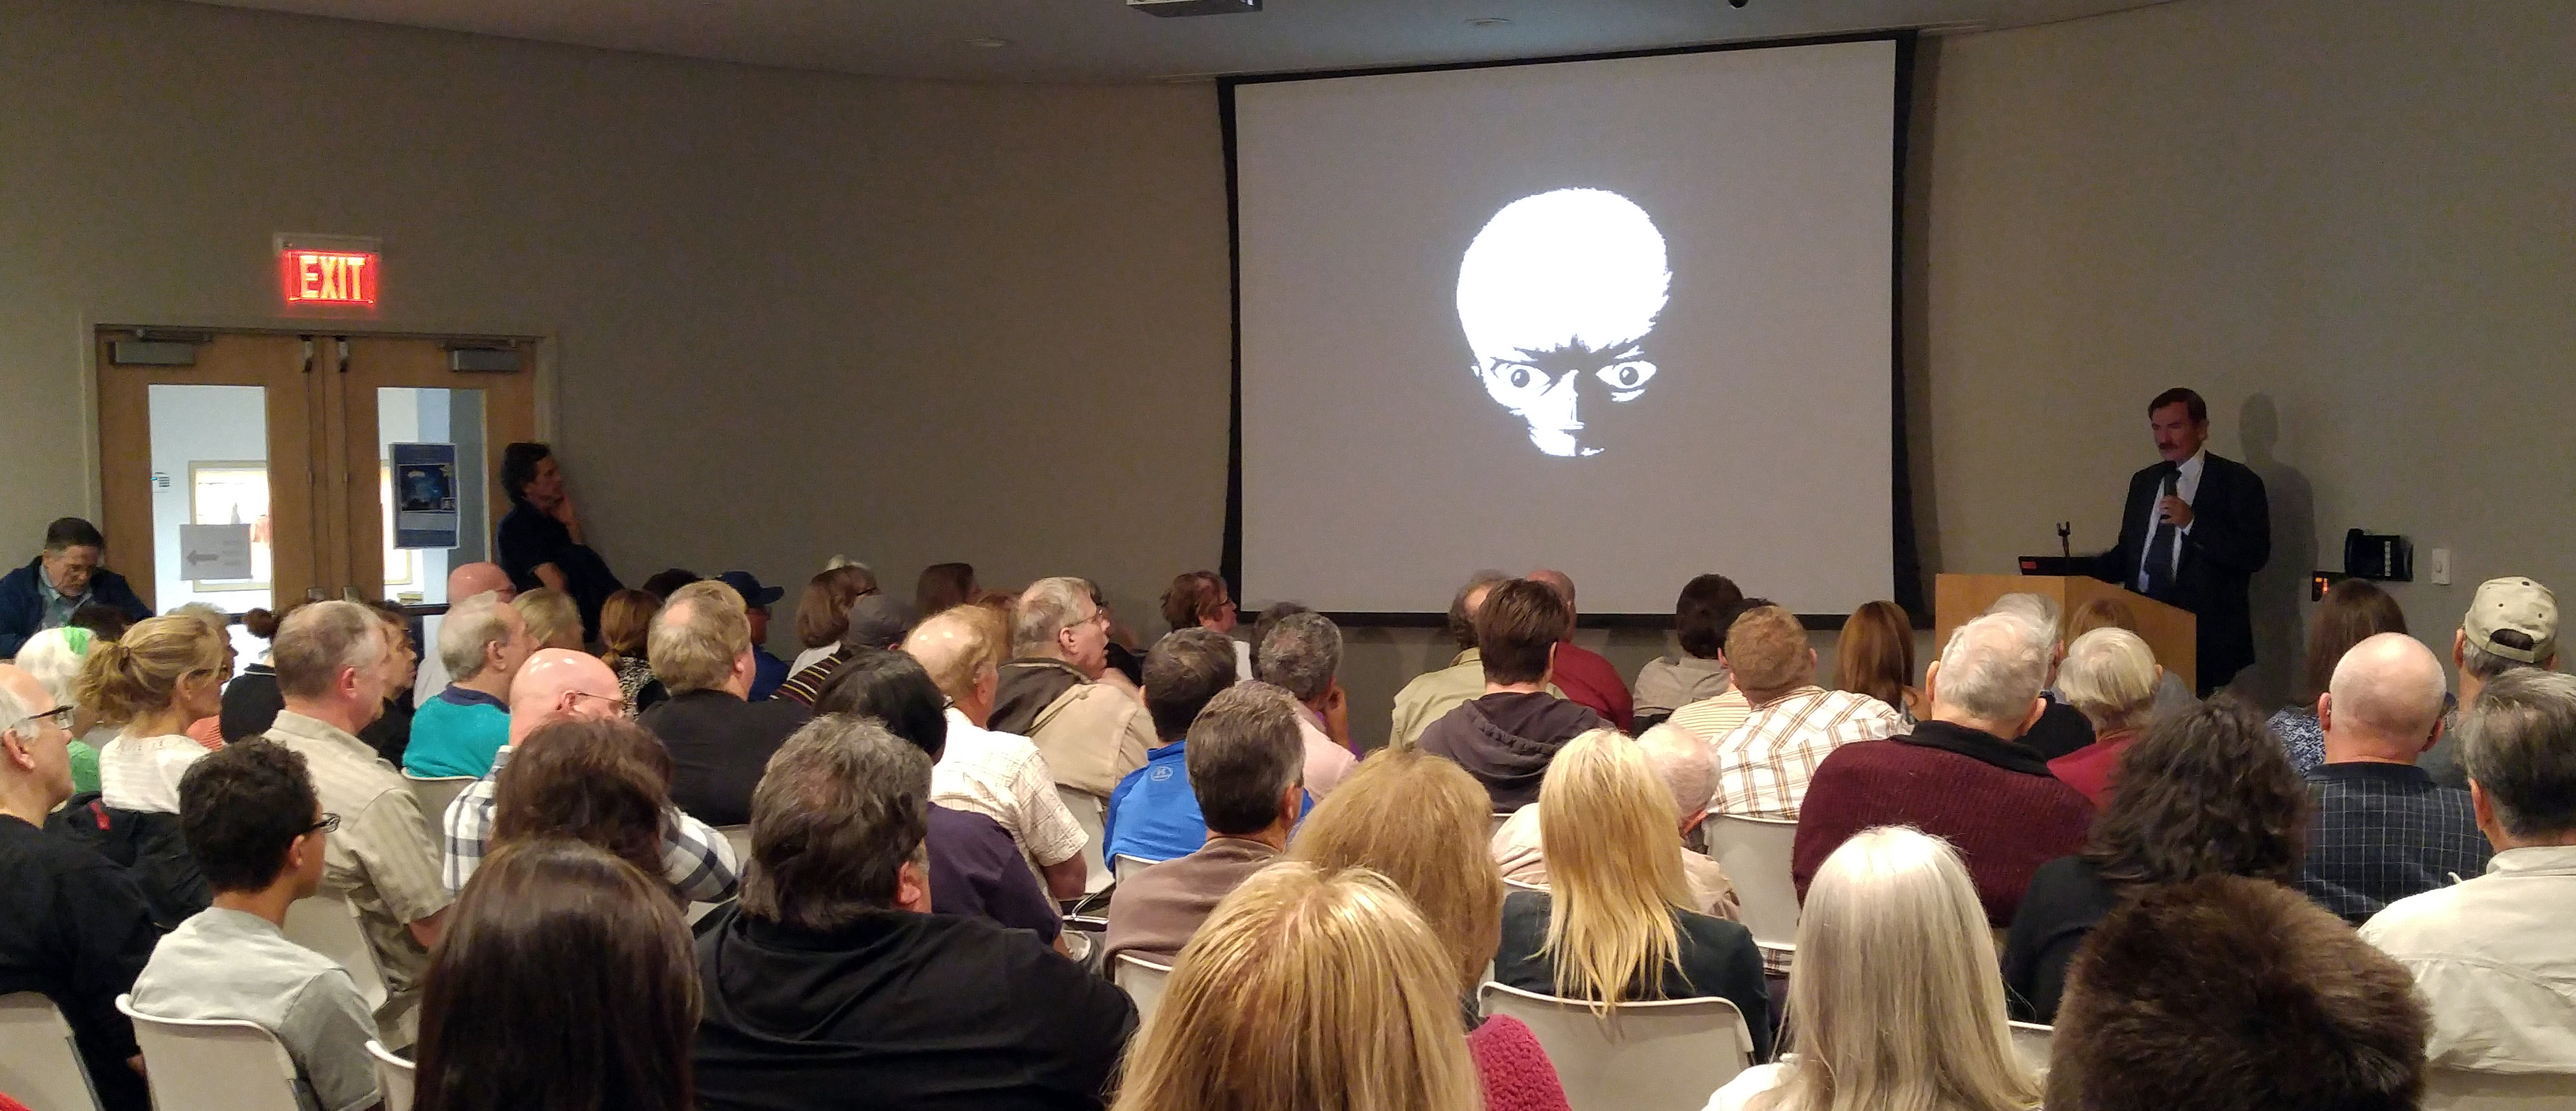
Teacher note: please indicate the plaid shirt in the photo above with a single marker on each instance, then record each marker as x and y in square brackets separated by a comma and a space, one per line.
[2383, 832]
[696, 859]
[1763, 765]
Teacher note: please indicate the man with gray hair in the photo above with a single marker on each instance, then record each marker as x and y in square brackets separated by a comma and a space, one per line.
[482, 641]
[2512, 624]
[2382, 829]
[700, 649]
[1962, 775]
[2492, 956]
[1244, 764]
[1059, 691]
[832, 977]
[2061, 729]
[333, 666]
[1302, 654]
[1681, 760]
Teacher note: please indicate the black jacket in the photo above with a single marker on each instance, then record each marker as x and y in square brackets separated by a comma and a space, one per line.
[719, 746]
[22, 604]
[1506, 741]
[2230, 539]
[148, 846]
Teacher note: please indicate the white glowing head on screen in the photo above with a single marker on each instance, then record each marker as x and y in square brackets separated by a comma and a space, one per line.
[1558, 294]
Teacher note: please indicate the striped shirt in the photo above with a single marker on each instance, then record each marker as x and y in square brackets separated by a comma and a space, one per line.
[1711, 718]
[697, 860]
[1764, 765]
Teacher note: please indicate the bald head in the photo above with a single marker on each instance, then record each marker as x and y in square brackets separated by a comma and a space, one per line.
[470, 579]
[1557, 581]
[957, 650]
[558, 684]
[2384, 702]
[1682, 762]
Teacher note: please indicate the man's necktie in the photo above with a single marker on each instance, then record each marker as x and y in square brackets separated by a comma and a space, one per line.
[2160, 547]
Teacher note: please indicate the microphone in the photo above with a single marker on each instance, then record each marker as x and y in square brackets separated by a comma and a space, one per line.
[2065, 529]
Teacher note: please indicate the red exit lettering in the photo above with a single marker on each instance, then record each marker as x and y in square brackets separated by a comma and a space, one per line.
[329, 277]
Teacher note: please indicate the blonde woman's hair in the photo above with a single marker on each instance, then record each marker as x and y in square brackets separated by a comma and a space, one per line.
[1613, 845]
[548, 612]
[1308, 988]
[701, 630]
[139, 673]
[1422, 822]
[2110, 677]
[1897, 1003]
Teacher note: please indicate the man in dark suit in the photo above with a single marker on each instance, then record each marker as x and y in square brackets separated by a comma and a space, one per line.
[2194, 530]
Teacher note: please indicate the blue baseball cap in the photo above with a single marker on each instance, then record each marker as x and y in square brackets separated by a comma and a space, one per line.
[748, 585]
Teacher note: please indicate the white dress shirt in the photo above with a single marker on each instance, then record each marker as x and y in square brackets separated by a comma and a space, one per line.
[2494, 962]
[2186, 487]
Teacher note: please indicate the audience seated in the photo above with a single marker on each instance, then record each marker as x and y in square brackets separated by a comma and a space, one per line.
[1316, 988]
[625, 625]
[163, 674]
[1419, 821]
[1681, 762]
[1874, 656]
[1587, 678]
[1059, 691]
[73, 926]
[2227, 993]
[390, 734]
[1670, 682]
[257, 830]
[558, 687]
[567, 981]
[2353, 610]
[1153, 815]
[604, 783]
[2383, 829]
[1764, 763]
[482, 640]
[768, 671]
[1618, 923]
[998, 775]
[975, 868]
[1246, 764]
[1303, 656]
[2493, 956]
[2111, 613]
[552, 619]
[464, 581]
[832, 983]
[62, 578]
[2060, 729]
[1200, 600]
[668, 581]
[1431, 695]
[2111, 677]
[872, 621]
[1894, 1002]
[251, 700]
[1959, 776]
[941, 587]
[539, 541]
[2511, 624]
[823, 612]
[2204, 791]
[701, 651]
[1506, 737]
[332, 663]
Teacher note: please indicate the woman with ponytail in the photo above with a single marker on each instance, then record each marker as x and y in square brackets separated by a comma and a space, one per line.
[164, 673]
[251, 702]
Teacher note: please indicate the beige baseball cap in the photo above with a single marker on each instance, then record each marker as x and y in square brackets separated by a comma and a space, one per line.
[2519, 605]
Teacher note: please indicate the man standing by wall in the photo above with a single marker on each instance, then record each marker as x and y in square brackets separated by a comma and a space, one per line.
[2194, 530]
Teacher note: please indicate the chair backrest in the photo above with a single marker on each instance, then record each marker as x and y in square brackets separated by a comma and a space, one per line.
[1755, 854]
[212, 1064]
[1142, 980]
[740, 838]
[2457, 1090]
[2030, 1042]
[1517, 885]
[40, 1066]
[1499, 818]
[435, 793]
[393, 1076]
[1088, 815]
[328, 924]
[1121, 866]
[1659, 1055]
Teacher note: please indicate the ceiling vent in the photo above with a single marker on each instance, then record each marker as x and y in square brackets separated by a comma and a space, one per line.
[1194, 7]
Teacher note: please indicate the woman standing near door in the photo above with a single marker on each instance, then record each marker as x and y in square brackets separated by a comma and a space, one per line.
[540, 541]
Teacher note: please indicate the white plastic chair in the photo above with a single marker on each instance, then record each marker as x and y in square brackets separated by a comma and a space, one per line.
[1658, 1055]
[1123, 866]
[1516, 885]
[1143, 981]
[1755, 854]
[212, 1064]
[40, 1064]
[2458, 1090]
[327, 923]
[1500, 816]
[434, 794]
[1089, 815]
[740, 838]
[393, 1076]
[2030, 1042]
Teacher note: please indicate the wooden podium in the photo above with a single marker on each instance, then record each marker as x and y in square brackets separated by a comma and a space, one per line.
[1956, 599]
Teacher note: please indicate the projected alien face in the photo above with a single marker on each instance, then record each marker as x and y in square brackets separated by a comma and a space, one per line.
[1558, 295]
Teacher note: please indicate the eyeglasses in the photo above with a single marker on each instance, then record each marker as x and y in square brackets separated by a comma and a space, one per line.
[59, 717]
[619, 701]
[328, 823]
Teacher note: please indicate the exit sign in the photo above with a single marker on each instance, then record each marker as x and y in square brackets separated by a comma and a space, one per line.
[329, 277]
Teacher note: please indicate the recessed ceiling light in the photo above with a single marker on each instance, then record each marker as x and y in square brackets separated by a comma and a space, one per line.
[989, 43]
[1489, 21]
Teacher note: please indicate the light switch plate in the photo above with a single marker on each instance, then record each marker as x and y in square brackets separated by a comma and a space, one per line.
[2441, 566]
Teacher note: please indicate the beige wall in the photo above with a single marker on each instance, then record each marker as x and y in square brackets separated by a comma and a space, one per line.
[797, 314]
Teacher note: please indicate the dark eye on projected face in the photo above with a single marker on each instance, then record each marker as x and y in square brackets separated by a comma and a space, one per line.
[1627, 378]
[1517, 381]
